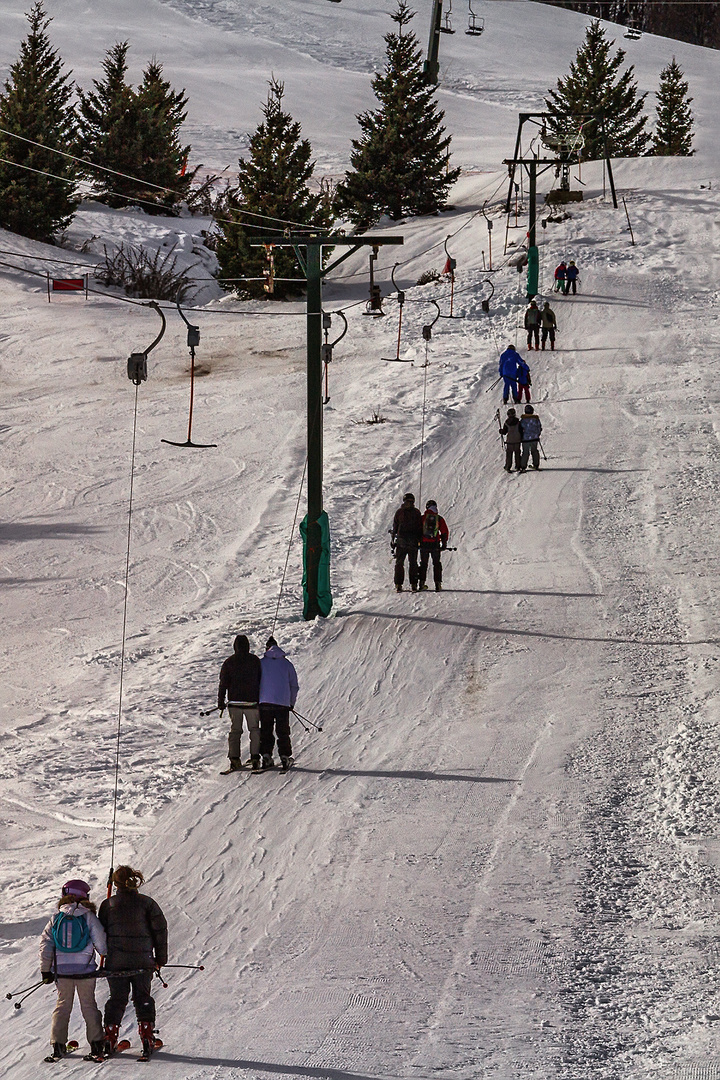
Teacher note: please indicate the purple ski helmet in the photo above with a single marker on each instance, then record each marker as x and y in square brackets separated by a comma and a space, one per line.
[78, 888]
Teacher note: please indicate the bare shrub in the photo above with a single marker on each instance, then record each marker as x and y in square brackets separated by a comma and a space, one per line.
[427, 276]
[150, 275]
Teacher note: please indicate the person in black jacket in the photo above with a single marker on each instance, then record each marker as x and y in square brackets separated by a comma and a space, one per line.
[137, 938]
[406, 537]
[240, 681]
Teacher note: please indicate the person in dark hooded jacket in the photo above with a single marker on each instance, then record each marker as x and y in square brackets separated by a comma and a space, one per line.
[278, 693]
[240, 683]
[137, 938]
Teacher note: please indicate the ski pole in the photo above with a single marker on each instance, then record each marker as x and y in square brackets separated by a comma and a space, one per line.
[300, 722]
[191, 967]
[18, 1004]
[543, 452]
[162, 981]
[318, 727]
[207, 712]
[16, 993]
[494, 384]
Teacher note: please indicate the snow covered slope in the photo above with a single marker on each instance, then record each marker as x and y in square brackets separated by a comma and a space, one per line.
[499, 858]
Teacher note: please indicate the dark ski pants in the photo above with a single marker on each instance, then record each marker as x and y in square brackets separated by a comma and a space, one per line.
[530, 447]
[141, 997]
[510, 385]
[412, 558]
[275, 720]
[523, 388]
[426, 553]
[548, 330]
[571, 285]
[533, 332]
[512, 450]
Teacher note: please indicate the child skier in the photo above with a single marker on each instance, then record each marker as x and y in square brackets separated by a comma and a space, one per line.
[560, 276]
[532, 325]
[434, 540]
[67, 956]
[531, 432]
[524, 380]
[513, 432]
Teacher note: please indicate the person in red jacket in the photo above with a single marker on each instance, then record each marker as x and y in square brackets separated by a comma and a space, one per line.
[434, 540]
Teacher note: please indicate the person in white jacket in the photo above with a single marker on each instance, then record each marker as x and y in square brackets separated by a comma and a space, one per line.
[67, 956]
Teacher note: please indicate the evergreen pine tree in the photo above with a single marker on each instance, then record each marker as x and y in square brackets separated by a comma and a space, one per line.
[272, 190]
[163, 112]
[135, 133]
[34, 104]
[674, 130]
[401, 161]
[595, 85]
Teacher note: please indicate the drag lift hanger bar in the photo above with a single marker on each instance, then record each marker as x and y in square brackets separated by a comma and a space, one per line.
[311, 262]
[193, 339]
[327, 349]
[137, 361]
[401, 300]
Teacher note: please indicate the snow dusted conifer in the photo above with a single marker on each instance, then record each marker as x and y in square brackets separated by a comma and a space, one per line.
[674, 130]
[596, 85]
[35, 105]
[135, 133]
[272, 190]
[400, 164]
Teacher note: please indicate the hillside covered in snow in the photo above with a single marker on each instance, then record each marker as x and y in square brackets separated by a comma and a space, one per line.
[500, 856]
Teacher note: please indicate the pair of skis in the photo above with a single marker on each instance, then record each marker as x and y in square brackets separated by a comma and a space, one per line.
[247, 765]
[124, 1044]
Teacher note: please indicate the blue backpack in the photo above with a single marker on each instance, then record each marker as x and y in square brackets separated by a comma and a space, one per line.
[70, 933]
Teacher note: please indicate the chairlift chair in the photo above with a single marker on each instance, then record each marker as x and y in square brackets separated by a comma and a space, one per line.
[476, 23]
[446, 25]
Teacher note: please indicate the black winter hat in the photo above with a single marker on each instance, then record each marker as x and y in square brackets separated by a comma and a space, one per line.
[269, 643]
[511, 412]
[241, 645]
[409, 497]
[529, 409]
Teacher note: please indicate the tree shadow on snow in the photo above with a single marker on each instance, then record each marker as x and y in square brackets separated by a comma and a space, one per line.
[522, 592]
[277, 1068]
[31, 530]
[408, 774]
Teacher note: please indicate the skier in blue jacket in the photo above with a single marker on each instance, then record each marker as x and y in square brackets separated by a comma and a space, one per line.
[508, 370]
[278, 693]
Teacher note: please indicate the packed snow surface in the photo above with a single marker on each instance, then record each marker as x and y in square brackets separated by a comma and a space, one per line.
[500, 856]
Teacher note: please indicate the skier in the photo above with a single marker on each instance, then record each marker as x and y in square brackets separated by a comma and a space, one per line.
[240, 680]
[67, 954]
[136, 938]
[406, 535]
[531, 432]
[507, 368]
[278, 693]
[549, 325]
[560, 275]
[571, 275]
[512, 430]
[524, 380]
[434, 540]
[532, 325]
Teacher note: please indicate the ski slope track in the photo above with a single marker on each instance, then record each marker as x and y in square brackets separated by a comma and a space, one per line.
[500, 858]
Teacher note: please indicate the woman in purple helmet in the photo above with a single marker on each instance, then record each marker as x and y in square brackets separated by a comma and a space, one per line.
[67, 956]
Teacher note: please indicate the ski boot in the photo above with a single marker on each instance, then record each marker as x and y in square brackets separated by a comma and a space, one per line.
[438, 586]
[287, 763]
[97, 1051]
[423, 587]
[414, 588]
[235, 764]
[256, 762]
[398, 588]
[112, 1034]
[146, 1029]
[58, 1052]
[267, 762]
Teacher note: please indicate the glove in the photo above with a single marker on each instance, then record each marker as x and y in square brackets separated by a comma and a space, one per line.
[47, 977]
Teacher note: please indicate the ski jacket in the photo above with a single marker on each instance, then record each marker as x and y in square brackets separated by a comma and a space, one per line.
[523, 374]
[548, 318]
[508, 364]
[512, 430]
[572, 273]
[560, 272]
[239, 675]
[136, 931]
[278, 681]
[407, 526]
[435, 533]
[532, 318]
[73, 964]
[531, 428]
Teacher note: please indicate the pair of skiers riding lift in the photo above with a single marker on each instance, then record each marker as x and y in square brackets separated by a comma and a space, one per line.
[566, 277]
[537, 321]
[263, 692]
[413, 534]
[521, 439]
[130, 932]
